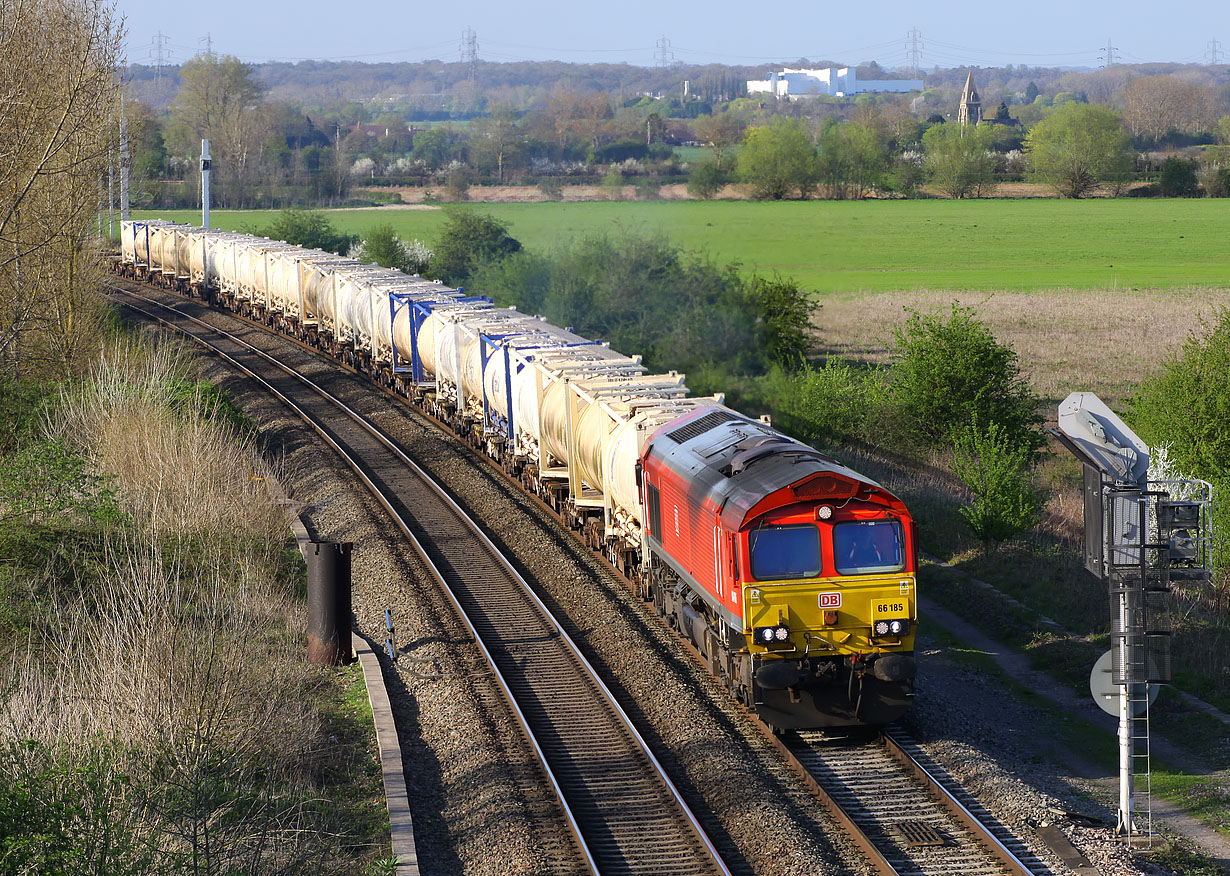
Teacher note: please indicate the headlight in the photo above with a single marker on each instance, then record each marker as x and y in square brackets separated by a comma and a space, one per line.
[771, 636]
[890, 628]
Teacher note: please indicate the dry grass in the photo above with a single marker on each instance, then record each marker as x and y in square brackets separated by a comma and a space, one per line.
[1101, 341]
[177, 471]
[174, 645]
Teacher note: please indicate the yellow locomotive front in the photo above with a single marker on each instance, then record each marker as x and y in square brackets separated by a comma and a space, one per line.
[830, 611]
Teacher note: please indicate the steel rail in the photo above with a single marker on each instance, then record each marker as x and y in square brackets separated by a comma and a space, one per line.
[574, 825]
[854, 808]
[993, 845]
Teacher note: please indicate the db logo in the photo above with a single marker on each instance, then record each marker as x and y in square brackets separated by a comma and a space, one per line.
[830, 600]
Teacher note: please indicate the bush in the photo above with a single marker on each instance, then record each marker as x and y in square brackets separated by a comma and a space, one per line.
[310, 229]
[613, 182]
[996, 469]
[949, 372]
[1215, 179]
[469, 239]
[1187, 403]
[549, 186]
[382, 246]
[706, 180]
[1178, 179]
[823, 406]
[457, 184]
[785, 319]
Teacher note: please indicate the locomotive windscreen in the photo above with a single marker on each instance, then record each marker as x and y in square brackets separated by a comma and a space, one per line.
[785, 552]
[860, 548]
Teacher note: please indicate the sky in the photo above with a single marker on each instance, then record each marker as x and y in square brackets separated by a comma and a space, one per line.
[1060, 33]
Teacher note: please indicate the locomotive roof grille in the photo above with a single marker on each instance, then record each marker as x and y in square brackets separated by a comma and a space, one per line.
[699, 426]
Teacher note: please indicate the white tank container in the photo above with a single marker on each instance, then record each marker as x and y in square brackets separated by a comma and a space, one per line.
[162, 248]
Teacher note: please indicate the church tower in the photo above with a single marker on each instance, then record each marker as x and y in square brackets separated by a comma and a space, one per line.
[970, 110]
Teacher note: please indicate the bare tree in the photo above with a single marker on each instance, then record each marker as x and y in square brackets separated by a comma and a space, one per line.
[1156, 104]
[720, 132]
[59, 95]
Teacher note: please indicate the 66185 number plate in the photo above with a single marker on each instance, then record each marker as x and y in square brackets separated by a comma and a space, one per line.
[890, 608]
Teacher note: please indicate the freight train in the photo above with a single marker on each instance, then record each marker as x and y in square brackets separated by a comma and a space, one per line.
[792, 575]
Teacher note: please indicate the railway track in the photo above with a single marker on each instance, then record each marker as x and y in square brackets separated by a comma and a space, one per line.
[626, 815]
[904, 814]
[903, 811]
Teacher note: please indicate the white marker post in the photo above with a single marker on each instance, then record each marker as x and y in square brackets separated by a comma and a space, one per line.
[205, 184]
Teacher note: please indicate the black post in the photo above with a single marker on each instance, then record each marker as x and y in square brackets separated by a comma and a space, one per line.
[328, 567]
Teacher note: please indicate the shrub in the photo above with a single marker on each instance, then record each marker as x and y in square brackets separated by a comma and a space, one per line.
[996, 469]
[310, 229]
[785, 319]
[469, 239]
[457, 183]
[706, 180]
[823, 406]
[613, 182]
[550, 187]
[1186, 403]
[1178, 179]
[947, 372]
[382, 246]
[1215, 179]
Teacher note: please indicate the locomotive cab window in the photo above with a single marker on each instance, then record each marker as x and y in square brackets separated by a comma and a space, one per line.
[779, 552]
[861, 548]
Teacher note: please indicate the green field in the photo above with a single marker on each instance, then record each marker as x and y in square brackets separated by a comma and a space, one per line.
[859, 246]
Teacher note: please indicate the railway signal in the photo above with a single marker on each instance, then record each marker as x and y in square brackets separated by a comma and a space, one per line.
[1141, 534]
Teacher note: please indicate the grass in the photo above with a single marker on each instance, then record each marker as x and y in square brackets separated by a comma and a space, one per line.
[848, 247]
[161, 677]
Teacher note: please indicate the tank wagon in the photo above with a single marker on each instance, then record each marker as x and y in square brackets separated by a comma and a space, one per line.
[791, 574]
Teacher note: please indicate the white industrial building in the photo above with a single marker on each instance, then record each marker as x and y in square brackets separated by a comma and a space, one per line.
[834, 81]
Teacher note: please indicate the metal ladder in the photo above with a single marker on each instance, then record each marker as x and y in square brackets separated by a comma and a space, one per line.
[1142, 815]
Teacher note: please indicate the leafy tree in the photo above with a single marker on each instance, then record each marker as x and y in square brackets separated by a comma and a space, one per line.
[778, 159]
[309, 228]
[468, 240]
[706, 179]
[1186, 403]
[1078, 146]
[1032, 91]
[960, 160]
[435, 147]
[996, 470]
[1223, 130]
[1178, 179]
[786, 312]
[853, 158]
[948, 372]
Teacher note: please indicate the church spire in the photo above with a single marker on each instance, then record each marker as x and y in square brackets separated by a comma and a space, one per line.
[970, 110]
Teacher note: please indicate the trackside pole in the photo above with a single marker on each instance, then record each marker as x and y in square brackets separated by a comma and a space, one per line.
[205, 166]
[329, 610]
